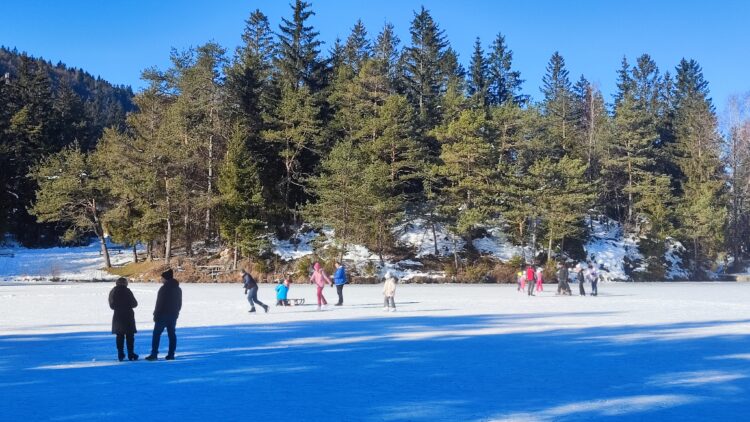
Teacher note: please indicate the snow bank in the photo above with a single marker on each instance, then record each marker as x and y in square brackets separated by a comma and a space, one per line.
[83, 263]
[295, 248]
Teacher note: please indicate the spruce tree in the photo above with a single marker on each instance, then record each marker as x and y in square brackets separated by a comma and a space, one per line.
[558, 108]
[477, 82]
[298, 61]
[357, 48]
[503, 83]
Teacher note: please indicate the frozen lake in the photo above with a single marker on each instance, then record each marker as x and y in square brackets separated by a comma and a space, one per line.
[670, 351]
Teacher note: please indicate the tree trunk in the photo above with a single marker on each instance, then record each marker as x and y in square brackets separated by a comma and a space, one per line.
[100, 233]
[188, 236]
[150, 251]
[135, 253]
[455, 252]
[434, 238]
[209, 191]
[549, 250]
[168, 239]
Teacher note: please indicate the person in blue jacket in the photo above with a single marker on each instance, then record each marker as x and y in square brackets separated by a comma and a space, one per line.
[339, 279]
[281, 293]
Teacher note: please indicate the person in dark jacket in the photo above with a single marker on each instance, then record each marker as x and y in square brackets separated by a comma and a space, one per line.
[122, 301]
[251, 290]
[581, 280]
[339, 279]
[562, 280]
[166, 312]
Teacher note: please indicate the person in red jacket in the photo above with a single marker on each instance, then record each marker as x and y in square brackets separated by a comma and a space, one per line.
[530, 279]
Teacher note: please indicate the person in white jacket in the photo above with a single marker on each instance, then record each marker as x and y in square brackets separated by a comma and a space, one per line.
[389, 291]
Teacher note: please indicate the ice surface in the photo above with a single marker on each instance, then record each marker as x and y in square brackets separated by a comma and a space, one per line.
[639, 351]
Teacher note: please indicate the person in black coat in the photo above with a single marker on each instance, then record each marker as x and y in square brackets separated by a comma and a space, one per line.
[122, 301]
[166, 312]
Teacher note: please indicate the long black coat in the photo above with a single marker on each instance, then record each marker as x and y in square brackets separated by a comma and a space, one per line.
[168, 300]
[122, 301]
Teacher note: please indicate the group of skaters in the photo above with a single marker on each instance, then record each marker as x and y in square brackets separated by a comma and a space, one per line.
[320, 279]
[531, 279]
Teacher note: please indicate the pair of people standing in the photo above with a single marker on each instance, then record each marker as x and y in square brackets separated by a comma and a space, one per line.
[167, 310]
[320, 279]
[591, 275]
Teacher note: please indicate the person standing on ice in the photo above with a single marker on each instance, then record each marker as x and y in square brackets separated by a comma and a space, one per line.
[521, 280]
[562, 280]
[593, 277]
[339, 279]
[581, 279]
[166, 312]
[122, 302]
[389, 292]
[530, 279]
[320, 279]
[251, 290]
[539, 279]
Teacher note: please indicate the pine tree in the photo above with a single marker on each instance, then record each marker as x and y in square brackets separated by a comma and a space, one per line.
[386, 55]
[71, 191]
[503, 83]
[241, 219]
[562, 197]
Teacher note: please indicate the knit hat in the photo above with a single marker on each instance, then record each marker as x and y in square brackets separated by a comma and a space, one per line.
[316, 267]
[167, 275]
[122, 281]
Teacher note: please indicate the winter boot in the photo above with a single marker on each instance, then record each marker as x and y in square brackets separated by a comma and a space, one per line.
[132, 357]
[151, 357]
[251, 310]
[265, 308]
[120, 356]
[169, 357]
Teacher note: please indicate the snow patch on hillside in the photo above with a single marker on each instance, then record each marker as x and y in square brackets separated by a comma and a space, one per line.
[609, 247]
[295, 248]
[498, 246]
[417, 234]
[675, 271]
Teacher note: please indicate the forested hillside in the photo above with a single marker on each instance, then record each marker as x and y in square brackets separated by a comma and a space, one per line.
[361, 137]
[46, 108]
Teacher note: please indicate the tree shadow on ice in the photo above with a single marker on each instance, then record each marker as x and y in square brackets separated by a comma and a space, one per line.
[481, 367]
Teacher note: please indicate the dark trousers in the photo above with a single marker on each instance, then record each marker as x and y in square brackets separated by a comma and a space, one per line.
[340, 291]
[168, 322]
[120, 341]
[531, 285]
[594, 290]
[580, 288]
[252, 297]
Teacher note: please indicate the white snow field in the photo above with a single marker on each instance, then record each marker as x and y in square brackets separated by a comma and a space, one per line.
[654, 352]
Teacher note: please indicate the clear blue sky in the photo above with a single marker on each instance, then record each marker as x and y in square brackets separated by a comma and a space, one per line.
[117, 39]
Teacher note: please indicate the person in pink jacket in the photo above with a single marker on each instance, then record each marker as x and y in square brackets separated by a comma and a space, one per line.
[539, 279]
[320, 279]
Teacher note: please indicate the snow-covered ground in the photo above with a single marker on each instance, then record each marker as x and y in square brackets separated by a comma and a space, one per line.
[639, 351]
[609, 248]
[61, 263]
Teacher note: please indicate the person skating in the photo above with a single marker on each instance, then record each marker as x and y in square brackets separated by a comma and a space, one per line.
[251, 290]
[339, 279]
[521, 280]
[581, 279]
[282, 290]
[593, 277]
[562, 280]
[122, 302]
[320, 279]
[166, 312]
[539, 279]
[389, 293]
[530, 279]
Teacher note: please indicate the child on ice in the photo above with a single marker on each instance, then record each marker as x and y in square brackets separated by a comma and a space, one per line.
[281, 293]
[389, 291]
